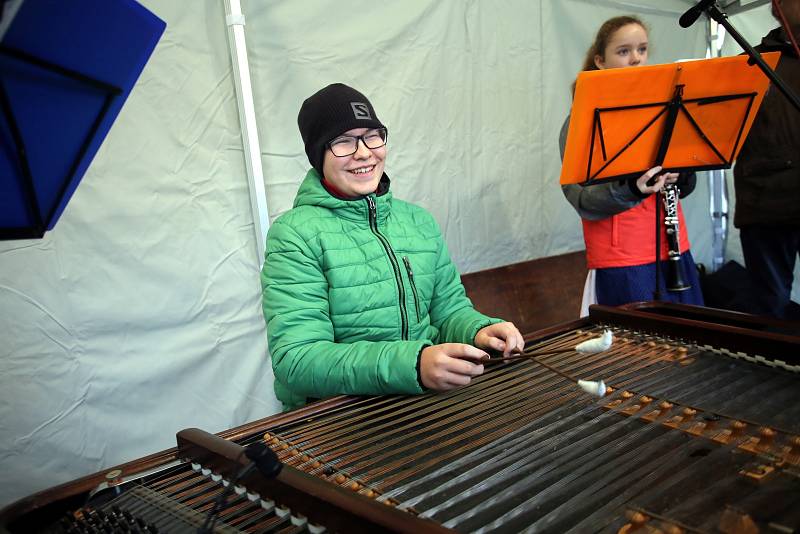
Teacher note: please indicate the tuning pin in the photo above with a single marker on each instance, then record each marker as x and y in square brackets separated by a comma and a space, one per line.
[128, 517]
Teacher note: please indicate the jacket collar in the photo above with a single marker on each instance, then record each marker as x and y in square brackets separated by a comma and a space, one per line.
[313, 193]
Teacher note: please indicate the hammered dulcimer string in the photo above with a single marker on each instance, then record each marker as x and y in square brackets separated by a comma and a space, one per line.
[160, 509]
[437, 415]
[325, 427]
[523, 415]
[385, 417]
[610, 470]
[391, 480]
[370, 419]
[470, 427]
[477, 400]
[372, 422]
[347, 418]
[387, 481]
[664, 476]
[727, 389]
[518, 444]
[192, 494]
[416, 416]
[340, 466]
[567, 457]
[628, 367]
[528, 504]
[708, 385]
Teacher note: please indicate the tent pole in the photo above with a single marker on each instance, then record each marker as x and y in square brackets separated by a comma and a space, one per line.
[234, 19]
[717, 185]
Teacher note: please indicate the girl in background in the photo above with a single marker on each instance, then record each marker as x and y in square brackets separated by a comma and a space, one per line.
[618, 216]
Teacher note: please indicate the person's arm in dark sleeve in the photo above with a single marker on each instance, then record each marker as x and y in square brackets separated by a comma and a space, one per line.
[599, 201]
[686, 183]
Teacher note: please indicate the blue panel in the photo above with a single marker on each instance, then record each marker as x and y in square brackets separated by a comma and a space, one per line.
[106, 40]
[13, 212]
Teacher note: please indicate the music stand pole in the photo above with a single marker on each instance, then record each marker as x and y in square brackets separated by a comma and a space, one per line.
[722, 18]
[657, 291]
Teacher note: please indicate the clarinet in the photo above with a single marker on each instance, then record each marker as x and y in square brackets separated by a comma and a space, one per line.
[675, 278]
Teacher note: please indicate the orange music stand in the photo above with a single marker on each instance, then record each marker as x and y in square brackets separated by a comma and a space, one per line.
[686, 116]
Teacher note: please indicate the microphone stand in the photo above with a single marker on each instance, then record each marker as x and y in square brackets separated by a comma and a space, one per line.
[714, 12]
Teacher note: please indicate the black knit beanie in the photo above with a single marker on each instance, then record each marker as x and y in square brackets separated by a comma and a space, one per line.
[329, 112]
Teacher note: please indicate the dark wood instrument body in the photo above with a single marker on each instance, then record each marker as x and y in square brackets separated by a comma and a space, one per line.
[649, 414]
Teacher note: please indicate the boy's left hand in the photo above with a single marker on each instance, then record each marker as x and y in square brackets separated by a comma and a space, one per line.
[502, 337]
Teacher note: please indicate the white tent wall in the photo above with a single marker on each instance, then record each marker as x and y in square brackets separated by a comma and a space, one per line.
[140, 315]
[473, 94]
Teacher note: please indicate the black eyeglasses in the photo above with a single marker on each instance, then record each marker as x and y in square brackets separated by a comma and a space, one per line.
[346, 145]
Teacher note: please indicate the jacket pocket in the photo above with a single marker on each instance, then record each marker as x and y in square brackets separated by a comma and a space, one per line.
[410, 273]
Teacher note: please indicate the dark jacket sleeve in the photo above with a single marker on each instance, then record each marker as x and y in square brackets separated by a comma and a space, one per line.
[599, 201]
[686, 183]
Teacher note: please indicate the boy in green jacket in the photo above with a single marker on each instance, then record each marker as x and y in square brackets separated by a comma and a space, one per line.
[359, 292]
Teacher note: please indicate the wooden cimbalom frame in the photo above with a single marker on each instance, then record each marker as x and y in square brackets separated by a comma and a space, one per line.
[699, 431]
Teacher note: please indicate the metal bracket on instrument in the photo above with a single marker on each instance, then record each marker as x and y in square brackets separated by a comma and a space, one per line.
[733, 520]
[643, 521]
[757, 472]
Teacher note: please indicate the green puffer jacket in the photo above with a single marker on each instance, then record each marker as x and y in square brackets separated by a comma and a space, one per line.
[353, 290]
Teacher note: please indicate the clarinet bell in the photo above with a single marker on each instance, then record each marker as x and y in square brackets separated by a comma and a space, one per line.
[675, 276]
[675, 279]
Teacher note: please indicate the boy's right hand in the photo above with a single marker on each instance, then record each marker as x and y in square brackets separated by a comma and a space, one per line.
[450, 365]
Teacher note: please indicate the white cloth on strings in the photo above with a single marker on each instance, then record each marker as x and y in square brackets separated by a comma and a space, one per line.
[589, 293]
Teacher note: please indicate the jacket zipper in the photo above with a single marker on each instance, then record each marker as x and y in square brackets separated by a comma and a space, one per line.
[413, 285]
[373, 225]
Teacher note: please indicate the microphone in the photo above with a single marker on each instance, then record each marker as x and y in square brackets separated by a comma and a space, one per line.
[694, 12]
[264, 459]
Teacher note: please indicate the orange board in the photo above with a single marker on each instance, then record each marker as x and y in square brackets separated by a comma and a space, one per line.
[619, 117]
